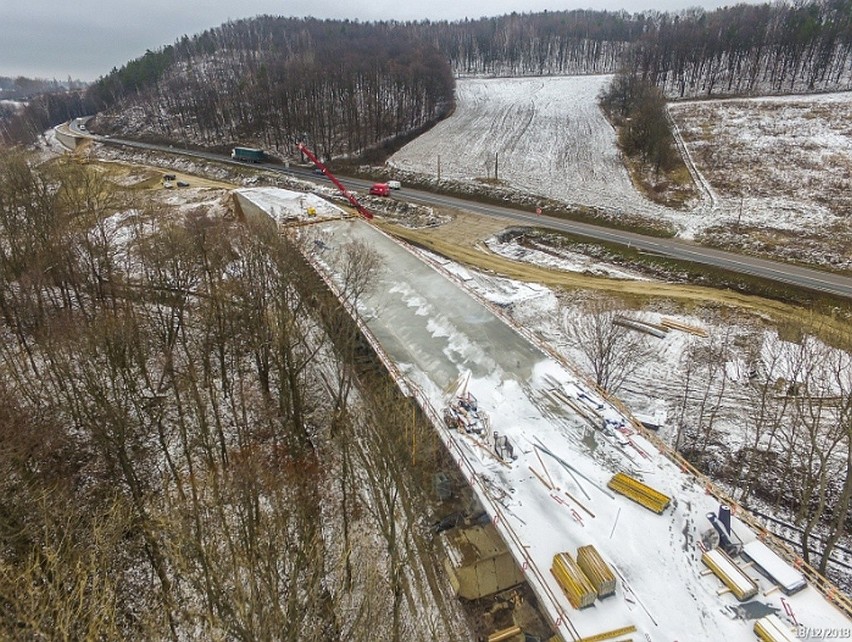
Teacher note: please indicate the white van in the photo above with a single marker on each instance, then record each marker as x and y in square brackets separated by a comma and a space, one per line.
[394, 184]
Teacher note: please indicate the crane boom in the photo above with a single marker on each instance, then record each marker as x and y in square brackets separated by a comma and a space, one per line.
[363, 211]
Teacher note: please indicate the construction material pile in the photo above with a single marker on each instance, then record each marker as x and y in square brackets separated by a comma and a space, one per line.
[732, 576]
[596, 569]
[771, 629]
[577, 587]
[463, 414]
[640, 493]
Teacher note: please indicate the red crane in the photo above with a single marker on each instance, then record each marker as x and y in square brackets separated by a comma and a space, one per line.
[363, 211]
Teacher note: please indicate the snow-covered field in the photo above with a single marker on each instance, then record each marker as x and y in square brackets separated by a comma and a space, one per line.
[781, 172]
[546, 134]
[767, 167]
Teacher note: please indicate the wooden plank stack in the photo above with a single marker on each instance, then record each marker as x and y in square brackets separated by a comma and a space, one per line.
[732, 576]
[577, 587]
[596, 569]
[608, 635]
[640, 493]
[507, 635]
[770, 628]
[683, 327]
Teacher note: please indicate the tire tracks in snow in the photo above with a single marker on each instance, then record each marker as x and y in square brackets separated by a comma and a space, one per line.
[709, 199]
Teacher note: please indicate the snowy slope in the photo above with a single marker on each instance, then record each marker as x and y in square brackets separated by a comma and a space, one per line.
[771, 163]
[548, 135]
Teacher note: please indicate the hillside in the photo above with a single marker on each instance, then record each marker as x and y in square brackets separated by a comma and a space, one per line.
[343, 87]
[773, 171]
[188, 450]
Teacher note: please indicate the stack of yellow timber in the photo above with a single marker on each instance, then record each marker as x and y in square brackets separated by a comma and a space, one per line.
[598, 572]
[772, 629]
[573, 581]
[732, 576]
[637, 491]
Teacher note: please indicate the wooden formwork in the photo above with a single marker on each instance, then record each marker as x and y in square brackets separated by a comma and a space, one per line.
[640, 493]
[732, 576]
[596, 569]
[771, 629]
[608, 635]
[577, 587]
[507, 635]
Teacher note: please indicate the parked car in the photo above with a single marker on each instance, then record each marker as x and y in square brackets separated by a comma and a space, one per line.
[380, 189]
[182, 184]
[394, 184]
[169, 177]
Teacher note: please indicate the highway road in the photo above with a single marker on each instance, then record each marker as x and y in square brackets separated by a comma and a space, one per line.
[792, 275]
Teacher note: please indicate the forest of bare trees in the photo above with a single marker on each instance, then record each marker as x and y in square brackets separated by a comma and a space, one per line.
[189, 451]
[351, 88]
[549, 43]
[345, 87]
[748, 50]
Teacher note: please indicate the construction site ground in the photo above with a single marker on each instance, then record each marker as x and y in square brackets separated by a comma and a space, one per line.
[433, 332]
[462, 240]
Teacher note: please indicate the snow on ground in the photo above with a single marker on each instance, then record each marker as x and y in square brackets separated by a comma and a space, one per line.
[548, 135]
[561, 260]
[437, 334]
[779, 163]
[286, 206]
[16, 105]
[780, 156]
[49, 147]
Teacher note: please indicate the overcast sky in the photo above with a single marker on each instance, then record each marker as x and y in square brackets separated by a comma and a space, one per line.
[85, 39]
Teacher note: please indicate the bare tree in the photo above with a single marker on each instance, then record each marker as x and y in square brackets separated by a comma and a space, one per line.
[767, 412]
[68, 583]
[840, 367]
[610, 351]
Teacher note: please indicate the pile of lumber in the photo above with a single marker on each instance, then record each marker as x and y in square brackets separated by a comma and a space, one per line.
[732, 576]
[640, 493]
[596, 569]
[511, 634]
[683, 327]
[653, 329]
[577, 587]
[608, 635]
[771, 629]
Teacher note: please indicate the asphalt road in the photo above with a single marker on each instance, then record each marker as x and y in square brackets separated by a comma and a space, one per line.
[793, 275]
